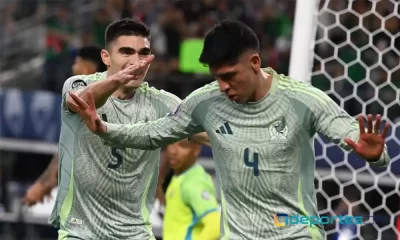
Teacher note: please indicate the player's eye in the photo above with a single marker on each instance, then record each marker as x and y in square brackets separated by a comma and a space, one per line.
[126, 51]
[227, 76]
[145, 52]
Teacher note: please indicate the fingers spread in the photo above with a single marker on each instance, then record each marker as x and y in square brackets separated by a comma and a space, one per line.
[377, 124]
[79, 101]
[370, 123]
[72, 105]
[351, 143]
[385, 130]
[90, 99]
[361, 124]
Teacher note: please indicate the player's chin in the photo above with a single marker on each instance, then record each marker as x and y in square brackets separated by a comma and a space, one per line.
[238, 100]
[174, 164]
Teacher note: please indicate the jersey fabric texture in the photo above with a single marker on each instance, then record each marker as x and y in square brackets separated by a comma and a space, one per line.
[105, 192]
[263, 150]
[190, 196]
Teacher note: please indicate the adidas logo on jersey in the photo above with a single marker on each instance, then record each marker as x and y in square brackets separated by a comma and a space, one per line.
[224, 129]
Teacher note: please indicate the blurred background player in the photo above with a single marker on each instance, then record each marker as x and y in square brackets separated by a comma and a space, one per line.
[192, 211]
[166, 172]
[261, 125]
[87, 61]
[106, 192]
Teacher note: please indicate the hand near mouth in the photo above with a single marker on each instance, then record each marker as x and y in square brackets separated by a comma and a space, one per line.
[133, 72]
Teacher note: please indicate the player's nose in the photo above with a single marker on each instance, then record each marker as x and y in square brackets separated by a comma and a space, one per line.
[172, 151]
[134, 59]
[223, 86]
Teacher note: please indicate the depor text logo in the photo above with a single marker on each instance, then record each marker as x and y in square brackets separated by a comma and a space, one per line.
[282, 219]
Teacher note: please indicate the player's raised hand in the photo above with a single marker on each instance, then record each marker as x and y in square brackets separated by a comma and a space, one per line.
[371, 143]
[134, 71]
[88, 113]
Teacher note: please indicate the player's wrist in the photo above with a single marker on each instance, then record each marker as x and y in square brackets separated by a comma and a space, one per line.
[115, 81]
[381, 161]
[106, 129]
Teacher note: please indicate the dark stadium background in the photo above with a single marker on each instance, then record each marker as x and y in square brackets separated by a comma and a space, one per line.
[33, 67]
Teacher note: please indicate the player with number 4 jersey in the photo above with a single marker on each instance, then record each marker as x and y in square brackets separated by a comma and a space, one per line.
[261, 126]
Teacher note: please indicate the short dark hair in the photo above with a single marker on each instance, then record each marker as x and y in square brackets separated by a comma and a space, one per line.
[226, 42]
[126, 27]
[92, 54]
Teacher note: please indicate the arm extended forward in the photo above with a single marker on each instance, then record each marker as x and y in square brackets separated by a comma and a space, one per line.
[146, 136]
[347, 132]
[102, 90]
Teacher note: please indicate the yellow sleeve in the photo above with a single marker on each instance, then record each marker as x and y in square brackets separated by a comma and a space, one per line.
[211, 226]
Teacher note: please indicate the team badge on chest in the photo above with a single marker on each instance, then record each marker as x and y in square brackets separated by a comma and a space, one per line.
[278, 131]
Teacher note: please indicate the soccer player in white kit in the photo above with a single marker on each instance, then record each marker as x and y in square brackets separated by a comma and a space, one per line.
[261, 126]
[106, 192]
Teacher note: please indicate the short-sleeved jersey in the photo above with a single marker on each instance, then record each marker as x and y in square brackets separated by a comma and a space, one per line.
[105, 192]
[190, 196]
[263, 150]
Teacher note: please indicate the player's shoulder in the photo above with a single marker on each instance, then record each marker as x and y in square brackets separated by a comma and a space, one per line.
[301, 91]
[197, 175]
[207, 92]
[84, 80]
[160, 96]
[158, 93]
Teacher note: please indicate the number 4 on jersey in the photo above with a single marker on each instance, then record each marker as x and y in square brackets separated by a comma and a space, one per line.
[114, 152]
[251, 162]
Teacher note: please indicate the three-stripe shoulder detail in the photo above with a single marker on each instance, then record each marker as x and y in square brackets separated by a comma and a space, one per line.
[295, 87]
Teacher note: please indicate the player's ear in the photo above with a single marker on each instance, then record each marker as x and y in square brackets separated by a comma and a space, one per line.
[105, 56]
[255, 62]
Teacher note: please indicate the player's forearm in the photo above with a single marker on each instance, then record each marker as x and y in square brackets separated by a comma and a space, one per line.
[49, 176]
[337, 125]
[101, 91]
[351, 130]
[145, 136]
[211, 226]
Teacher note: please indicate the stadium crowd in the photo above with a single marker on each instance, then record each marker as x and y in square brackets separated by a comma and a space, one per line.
[173, 21]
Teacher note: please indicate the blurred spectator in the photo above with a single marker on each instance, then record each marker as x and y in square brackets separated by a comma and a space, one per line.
[171, 22]
[100, 23]
[26, 9]
[276, 23]
[60, 34]
[87, 61]
[7, 18]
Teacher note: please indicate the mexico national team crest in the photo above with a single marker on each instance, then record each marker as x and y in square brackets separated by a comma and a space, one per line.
[278, 131]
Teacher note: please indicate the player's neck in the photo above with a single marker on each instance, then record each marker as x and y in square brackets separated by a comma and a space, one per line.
[124, 93]
[264, 85]
[184, 169]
